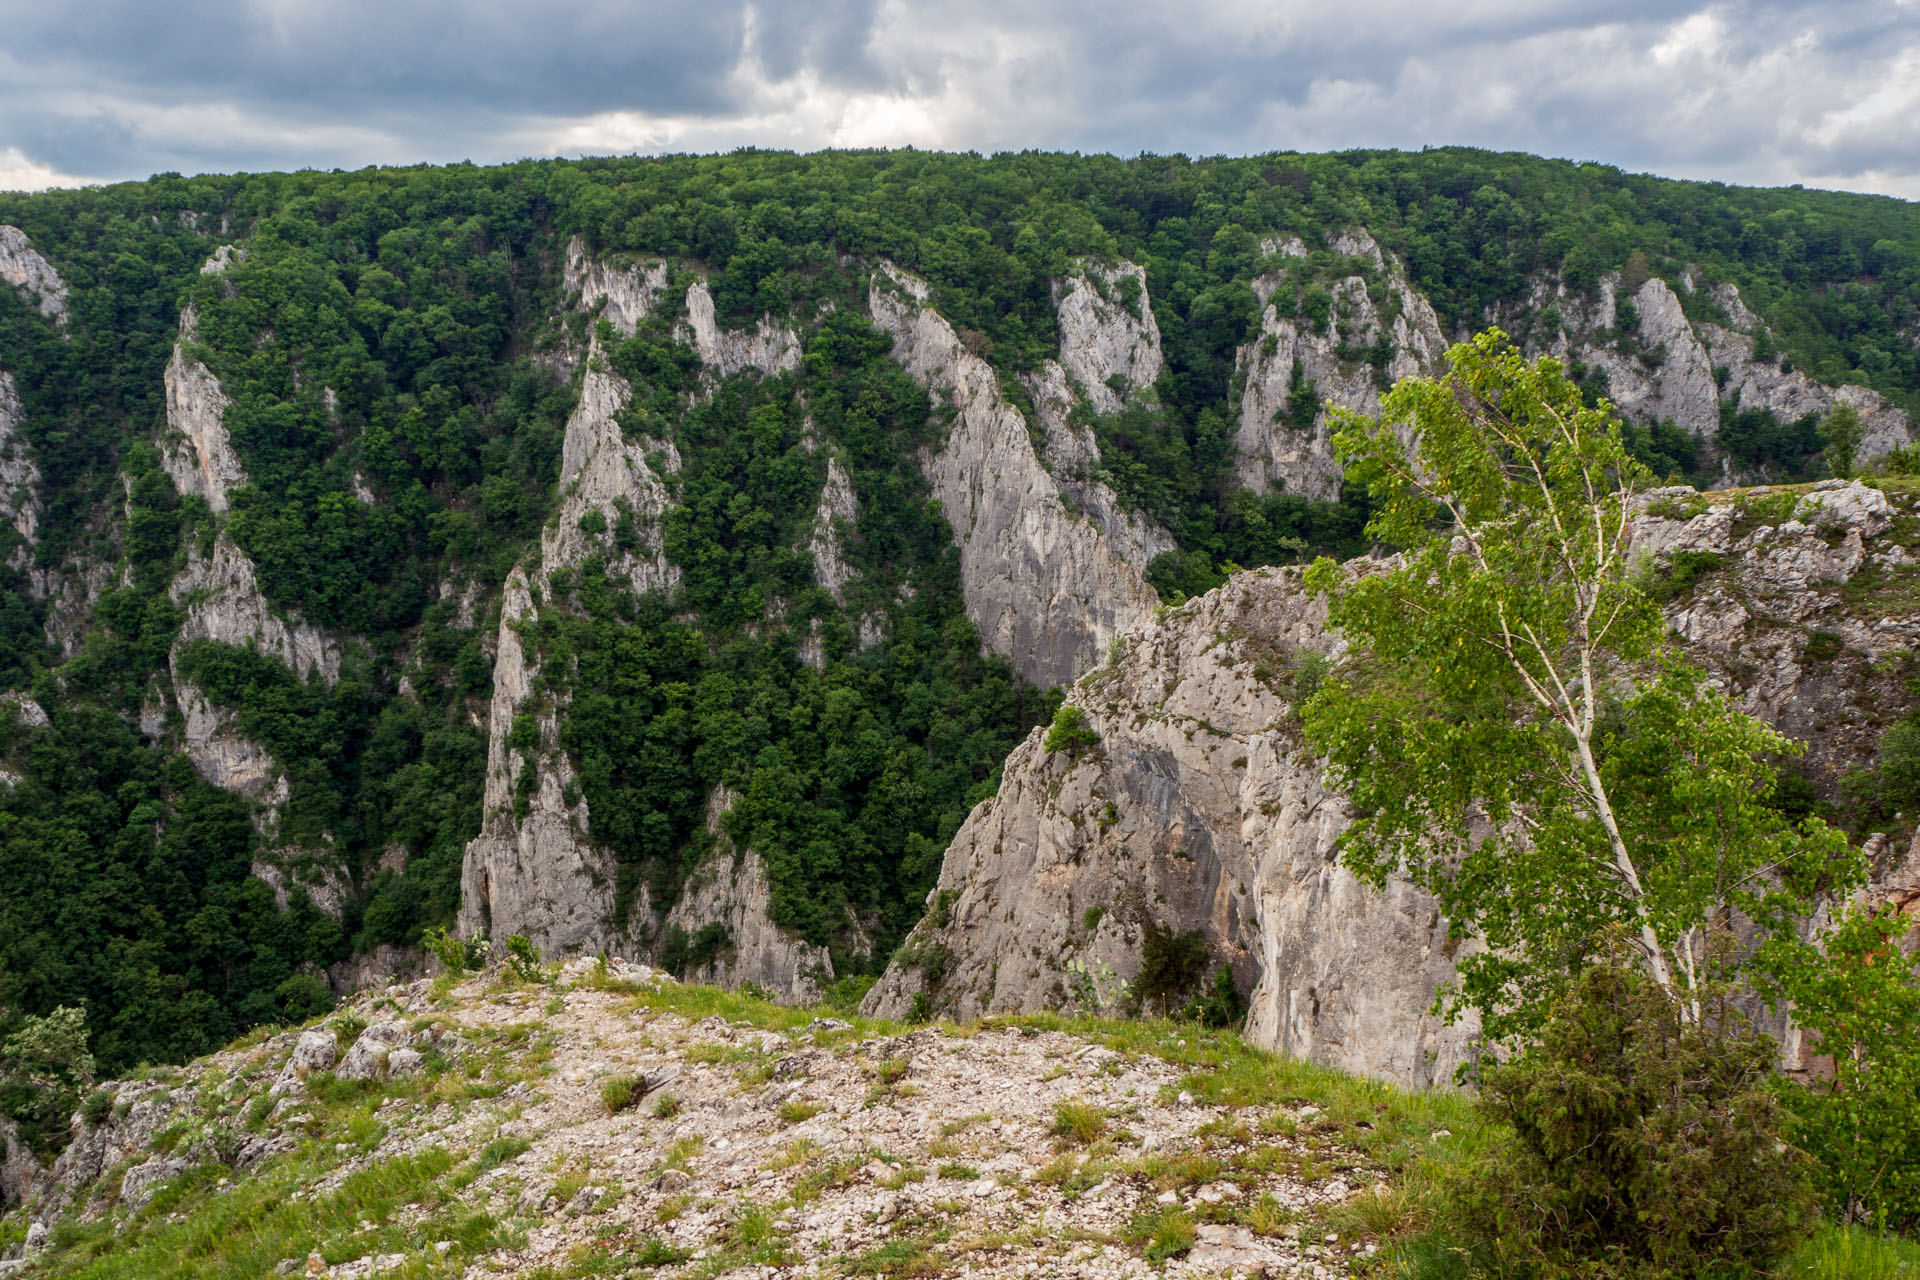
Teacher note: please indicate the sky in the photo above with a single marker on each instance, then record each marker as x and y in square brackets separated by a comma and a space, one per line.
[1824, 94]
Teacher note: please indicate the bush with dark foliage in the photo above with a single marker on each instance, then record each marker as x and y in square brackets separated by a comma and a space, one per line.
[1645, 1145]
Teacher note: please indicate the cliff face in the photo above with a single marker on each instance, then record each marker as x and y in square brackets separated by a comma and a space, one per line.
[1662, 366]
[1047, 590]
[1276, 451]
[27, 270]
[534, 869]
[1199, 809]
[19, 476]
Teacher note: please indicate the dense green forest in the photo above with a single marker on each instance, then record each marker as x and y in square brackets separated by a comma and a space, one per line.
[394, 331]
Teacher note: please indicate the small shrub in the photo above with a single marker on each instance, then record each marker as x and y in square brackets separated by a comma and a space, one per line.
[454, 954]
[499, 1151]
[892, 1070]
[1221, 1005]
[1078, 1123]
[97, 1107]
[1171, 964]
[1643, 1145]
[1822, 646]
[666, 1107]
[523, 959]
[621, 1092]
[1685, 570]
[1162, 1234]
[1071, 732]
[797, 1112]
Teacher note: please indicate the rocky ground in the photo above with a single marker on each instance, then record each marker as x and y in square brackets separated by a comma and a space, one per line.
[610, 1122]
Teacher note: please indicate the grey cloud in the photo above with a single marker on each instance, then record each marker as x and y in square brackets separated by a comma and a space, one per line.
[119, 88]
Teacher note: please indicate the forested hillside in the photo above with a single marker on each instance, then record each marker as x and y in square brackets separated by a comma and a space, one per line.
[316, 583]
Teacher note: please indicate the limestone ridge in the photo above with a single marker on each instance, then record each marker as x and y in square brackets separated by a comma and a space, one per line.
[534, 869]
[1047, 590]
[19, 477]
[1274, 453]
[27, 270]
[1199, 809]
[1196, 811]
[195, 451]
[731, 890]
[1667, 371]
[1109, 354]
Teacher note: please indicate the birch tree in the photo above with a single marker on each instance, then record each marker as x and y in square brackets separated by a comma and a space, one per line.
[1511, 724]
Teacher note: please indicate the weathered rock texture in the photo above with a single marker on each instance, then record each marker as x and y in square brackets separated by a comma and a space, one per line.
[1200, 810]
[19, 475]
[1048, 590]
[731, 889]
[195, 450]
[1197, 810]
[1109, 347]
[833, 524]
[1663, 366]
[534, 868]
[848, 1139]
[224, 604]
[1272, 452]
[26, 269]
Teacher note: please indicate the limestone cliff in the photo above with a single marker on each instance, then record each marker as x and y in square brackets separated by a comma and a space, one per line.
[1047, 590]
[27, 270]
[1665, 367]
[1374, 308]
[195, 450]
[223, 603]
[1200, 810]
[19, 476]
[534, 869]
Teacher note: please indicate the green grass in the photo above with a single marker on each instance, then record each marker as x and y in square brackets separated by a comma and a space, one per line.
[246, 1231]
[1854, 1253]
[621, 1092]
[1078, 1123]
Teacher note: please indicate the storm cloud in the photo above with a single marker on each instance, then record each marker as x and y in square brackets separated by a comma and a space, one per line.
[1823, 94]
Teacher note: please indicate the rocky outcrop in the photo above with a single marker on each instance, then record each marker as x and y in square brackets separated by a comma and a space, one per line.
[626, 295]
[1199, 809]
[769, 347]
[532, 870]
[24, 267]
[1196, 810]
[195, 450]
[1665, 367]
[731, 889]
[19, 475]
[221, 754]
[1273, 450]
[1109, 340]
[1047, 590]
[224, 604]
[833, 522]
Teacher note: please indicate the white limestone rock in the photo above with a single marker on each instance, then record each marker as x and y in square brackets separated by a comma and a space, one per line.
[834, 521]
[1271, 452]
[1196, 811]
[536, 874]
[224, 604]
[1047, 590]
[26, 269]
[731, 889]
[630, 293]
[769, 347]
[195, 450]
[220, 753]
[1110, 348]
[19, 475]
